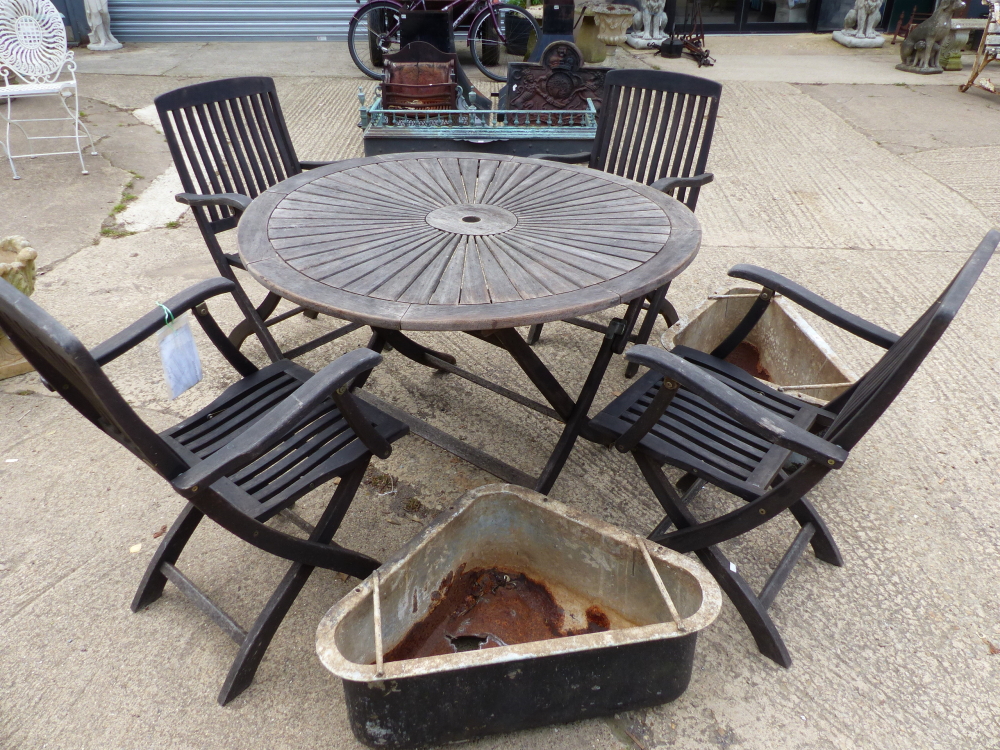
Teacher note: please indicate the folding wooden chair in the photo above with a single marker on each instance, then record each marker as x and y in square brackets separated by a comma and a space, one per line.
[230, 143]
[269, 439]
[698, 413]
[655, 128]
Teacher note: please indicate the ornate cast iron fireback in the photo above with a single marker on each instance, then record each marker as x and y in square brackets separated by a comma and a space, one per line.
[559, 81]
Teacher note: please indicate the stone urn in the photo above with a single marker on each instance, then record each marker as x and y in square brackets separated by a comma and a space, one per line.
[612, 22]
[17, 267]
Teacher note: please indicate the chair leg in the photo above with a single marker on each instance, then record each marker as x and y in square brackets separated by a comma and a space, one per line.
[822, 542]
[754, 613]
[534, 333]
[6, 144]
[74, 114]
[655, 301]
[245, 328]
[258, 638]
[169, 550]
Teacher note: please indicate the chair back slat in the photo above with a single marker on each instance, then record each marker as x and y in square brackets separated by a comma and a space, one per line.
[861, 406]
[65, 364]
[227, 136]
[656, 124]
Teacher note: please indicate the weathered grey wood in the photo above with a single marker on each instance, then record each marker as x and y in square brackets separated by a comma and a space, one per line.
[457, 241]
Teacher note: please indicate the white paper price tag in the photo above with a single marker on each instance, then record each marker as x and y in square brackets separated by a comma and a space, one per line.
[181, 365]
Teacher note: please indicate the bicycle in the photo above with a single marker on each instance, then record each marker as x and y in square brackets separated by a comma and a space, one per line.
[498, 34]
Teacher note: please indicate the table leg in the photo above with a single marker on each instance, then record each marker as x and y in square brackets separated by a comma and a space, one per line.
[578, 419]
[546, 383]
[412, 350]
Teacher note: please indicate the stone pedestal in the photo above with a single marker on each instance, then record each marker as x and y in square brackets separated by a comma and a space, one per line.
[17, 267]
[637, 41]
[861, 42]
[951, 54]
[585, 37]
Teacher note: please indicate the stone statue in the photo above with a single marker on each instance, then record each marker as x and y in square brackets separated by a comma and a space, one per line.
[649, 25]
[101, 38]
[17, 267]
[859, 25]
[922, 47]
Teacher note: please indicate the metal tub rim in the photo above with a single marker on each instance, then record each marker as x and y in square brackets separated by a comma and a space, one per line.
[342, 667]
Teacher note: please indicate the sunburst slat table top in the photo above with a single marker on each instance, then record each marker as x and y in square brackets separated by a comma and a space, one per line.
[459, 241]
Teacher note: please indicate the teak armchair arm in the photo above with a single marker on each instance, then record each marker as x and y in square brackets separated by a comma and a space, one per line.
[235, 201]
[755, 418]
[153, 321]
[314, 164]
[578, 158]
[665, 184]
[816, 304]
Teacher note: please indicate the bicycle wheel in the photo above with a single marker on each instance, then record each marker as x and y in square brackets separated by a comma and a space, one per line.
[373, 34]
[494, 46]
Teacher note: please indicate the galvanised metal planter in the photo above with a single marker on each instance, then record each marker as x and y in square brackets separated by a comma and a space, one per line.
[595, 573]
[782, 349]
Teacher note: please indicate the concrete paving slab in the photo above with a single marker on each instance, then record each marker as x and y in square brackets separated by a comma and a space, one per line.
[929, 110]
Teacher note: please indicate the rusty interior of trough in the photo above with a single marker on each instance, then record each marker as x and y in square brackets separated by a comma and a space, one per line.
[746, 356]
[489, 607]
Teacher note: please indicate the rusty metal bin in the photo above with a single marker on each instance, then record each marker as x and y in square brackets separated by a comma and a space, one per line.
[644, 658]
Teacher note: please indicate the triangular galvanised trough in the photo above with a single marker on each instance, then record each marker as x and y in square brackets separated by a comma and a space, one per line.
[616, 636]
[783, 350]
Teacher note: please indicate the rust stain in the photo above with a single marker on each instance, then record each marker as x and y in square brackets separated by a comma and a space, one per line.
[486, 608]
[746, 356]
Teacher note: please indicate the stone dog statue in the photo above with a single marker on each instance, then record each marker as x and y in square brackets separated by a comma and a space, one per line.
[650, 21]
[862, 19]
[921, 48]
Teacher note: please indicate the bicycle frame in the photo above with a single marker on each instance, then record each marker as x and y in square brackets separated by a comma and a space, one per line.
[478, 7]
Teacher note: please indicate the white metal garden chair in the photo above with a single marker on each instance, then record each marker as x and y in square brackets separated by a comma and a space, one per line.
[33, 57]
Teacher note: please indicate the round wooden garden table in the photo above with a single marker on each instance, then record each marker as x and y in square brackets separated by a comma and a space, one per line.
[478, 243]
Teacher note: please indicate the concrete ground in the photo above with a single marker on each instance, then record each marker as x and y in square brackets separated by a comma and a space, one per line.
[868, 185]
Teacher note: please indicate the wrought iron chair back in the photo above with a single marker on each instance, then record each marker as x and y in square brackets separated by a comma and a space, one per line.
[33, 41]
[656, 124]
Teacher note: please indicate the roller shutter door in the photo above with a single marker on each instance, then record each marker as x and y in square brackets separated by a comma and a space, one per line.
[230, 20]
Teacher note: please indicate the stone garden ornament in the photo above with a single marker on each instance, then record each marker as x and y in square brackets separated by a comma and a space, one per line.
[17, 267]
[859, 25]
[101, 38]
[649, 25]
[922, 47]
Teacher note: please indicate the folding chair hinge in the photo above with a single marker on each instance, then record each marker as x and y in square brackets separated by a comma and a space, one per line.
[615, 328]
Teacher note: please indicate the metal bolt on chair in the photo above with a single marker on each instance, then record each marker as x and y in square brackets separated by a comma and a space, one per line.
[33, 51]
[655, 128]
[698, 413]
[269, 439]
[230, 143]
